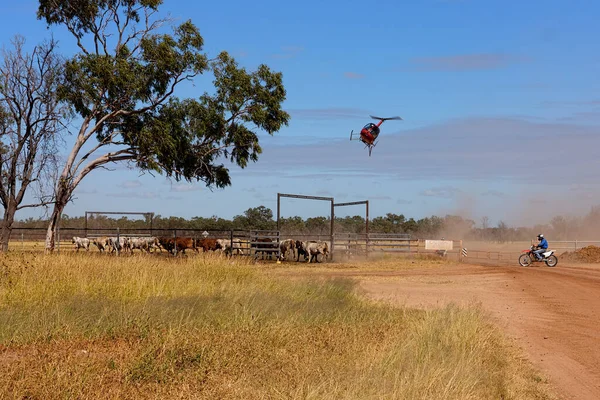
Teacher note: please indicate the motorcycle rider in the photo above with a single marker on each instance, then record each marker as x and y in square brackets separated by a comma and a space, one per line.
[541, 247]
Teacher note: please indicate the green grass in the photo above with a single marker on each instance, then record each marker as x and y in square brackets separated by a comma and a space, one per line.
[79, 326]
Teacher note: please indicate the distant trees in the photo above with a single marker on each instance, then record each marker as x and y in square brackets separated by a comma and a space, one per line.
[434, 227]
[391, 223]
[261, 218]
[258, 218]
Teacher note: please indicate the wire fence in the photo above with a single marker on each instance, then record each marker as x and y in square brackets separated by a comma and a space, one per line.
[510, 252]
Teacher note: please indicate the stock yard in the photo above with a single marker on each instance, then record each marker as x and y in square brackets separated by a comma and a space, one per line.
[245, 242]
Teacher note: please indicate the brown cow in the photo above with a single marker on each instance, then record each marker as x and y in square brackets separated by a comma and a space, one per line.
[208, 244]
[181, 244]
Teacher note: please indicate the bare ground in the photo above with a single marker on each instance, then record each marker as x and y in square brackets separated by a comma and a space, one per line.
[553, 313]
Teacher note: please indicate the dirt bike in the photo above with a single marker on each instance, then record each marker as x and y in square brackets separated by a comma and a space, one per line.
[527, 258]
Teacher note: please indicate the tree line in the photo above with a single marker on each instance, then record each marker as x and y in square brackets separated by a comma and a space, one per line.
[115, 100]
[434, 227]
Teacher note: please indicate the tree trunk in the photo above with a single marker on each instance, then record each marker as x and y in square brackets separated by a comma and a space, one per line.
[61, 202]
[7, 226]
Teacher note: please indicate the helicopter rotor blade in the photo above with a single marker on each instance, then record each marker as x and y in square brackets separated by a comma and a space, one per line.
[386, 119]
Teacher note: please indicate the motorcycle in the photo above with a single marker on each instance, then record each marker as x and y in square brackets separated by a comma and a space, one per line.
[528, 257]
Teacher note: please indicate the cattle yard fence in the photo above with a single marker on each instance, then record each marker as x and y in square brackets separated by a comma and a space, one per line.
[333, 205]
[363, 244]
[305, 197]
[265, 243]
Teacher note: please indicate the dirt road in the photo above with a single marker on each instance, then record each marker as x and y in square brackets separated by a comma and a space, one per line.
[554, 313]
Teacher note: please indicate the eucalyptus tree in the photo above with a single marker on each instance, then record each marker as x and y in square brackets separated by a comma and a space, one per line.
[122, 85]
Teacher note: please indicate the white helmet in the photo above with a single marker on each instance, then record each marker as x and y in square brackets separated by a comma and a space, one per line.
[540, 236]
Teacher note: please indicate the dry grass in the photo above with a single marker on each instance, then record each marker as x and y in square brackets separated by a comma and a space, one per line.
[82, 326]
[38, 246]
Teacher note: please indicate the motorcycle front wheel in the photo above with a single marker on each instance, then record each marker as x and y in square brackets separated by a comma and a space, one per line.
[524, 260]
[552, 261]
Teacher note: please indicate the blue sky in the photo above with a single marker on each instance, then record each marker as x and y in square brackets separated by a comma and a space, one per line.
[500, 100]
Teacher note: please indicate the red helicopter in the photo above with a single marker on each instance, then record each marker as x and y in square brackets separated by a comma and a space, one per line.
[369, 133]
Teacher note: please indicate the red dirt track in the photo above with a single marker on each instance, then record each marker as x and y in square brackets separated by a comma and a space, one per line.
[553, 313]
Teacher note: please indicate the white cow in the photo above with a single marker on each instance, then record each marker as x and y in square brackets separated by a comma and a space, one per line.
[313, 249]
[140, 243]
[225, 245]
[143, 243]
[239, 247]
[121, 245]
[80, 242]
[153, 242]
[102, 243]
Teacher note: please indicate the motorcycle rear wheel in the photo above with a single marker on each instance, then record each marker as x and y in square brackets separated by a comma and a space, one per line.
[552, 261]
[524, 260]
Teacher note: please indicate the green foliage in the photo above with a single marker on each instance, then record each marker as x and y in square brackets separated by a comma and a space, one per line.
[260, 218]
[194, 134]
[123, 86]
[79, 15]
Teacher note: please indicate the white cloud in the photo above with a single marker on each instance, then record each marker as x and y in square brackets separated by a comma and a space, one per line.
[130, 184]
[446, 192]
[288, 52]
[81, 190]
[325, 193]
[494, 193]
[466, 62]
[135, 195]
[184, 187]
[353, 75]
[478, 149]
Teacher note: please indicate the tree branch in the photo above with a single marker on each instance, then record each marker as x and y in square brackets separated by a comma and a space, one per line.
[99, 145]
[120, 155]
[41, 204]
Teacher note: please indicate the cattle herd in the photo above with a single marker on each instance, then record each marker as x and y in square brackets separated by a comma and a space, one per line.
[263, 247]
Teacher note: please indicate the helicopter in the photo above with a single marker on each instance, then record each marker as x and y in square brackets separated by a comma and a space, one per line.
[369, 133]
